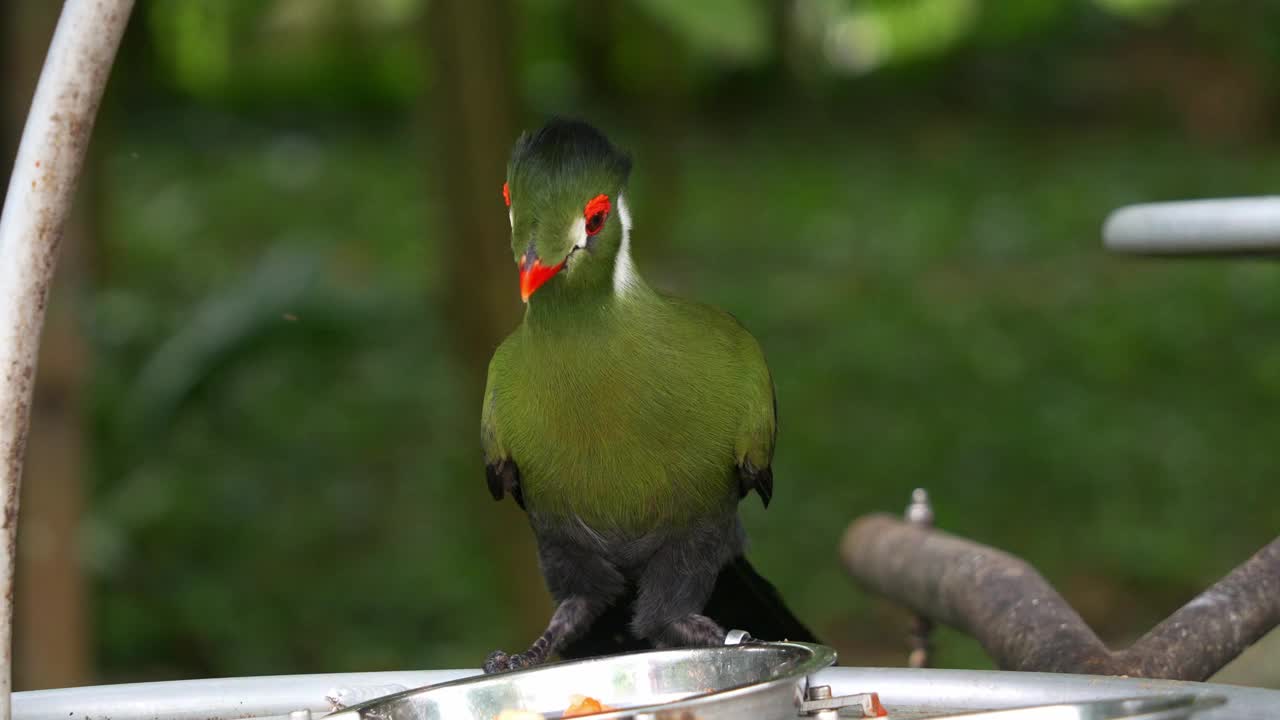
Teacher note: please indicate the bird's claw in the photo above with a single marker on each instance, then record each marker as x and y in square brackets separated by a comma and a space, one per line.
[499, 661]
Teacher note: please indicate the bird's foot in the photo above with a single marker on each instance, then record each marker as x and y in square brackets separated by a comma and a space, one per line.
[499, 662]
[690, 631]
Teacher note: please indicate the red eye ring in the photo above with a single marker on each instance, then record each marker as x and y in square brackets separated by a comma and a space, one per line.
[506, 194]
[596, 212]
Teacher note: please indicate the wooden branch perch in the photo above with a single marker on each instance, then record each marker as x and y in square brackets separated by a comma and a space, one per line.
[1024, 624]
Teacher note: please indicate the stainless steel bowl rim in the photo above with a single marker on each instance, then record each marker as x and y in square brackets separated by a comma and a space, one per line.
[818, 658]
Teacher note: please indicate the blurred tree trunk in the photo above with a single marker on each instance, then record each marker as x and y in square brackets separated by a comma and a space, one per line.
[593, 31]
[50, 614]
[11, 118]
[787, 47]
[476, 124]
[657, 91]
[793, 78]
[475, 112]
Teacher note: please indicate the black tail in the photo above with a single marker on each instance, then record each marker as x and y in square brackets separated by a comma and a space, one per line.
[741, 600]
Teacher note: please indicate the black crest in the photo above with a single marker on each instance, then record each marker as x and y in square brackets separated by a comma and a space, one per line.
[568, 145]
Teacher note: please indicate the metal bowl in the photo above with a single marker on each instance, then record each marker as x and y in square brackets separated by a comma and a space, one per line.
[758, 680]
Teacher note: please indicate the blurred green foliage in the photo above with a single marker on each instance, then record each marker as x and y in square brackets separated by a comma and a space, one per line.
[905, 211]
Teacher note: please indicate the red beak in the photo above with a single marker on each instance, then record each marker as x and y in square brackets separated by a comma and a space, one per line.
[532, 276]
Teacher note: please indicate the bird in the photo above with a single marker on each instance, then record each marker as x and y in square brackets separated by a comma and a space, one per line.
[627, 423]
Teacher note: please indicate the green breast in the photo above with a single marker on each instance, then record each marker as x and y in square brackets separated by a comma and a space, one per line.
[628, 424]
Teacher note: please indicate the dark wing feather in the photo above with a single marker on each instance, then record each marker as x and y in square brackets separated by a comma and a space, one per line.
[755, 478]
[503, 477]
[759, 479]
[500, 469]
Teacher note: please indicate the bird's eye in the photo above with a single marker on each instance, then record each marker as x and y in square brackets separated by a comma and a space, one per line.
[506, 194]
[596, 212]
[595, 222]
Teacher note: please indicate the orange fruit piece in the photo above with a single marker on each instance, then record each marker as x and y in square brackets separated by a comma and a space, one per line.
[583, 705]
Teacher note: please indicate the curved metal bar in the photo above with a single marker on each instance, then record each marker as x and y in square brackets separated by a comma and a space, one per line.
[908, 692]
[1227, 226]
[905, 692]
[223, 699]
[41, 190]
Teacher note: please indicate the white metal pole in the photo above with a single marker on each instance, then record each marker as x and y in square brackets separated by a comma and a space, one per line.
[41, 189]
[1218, 226]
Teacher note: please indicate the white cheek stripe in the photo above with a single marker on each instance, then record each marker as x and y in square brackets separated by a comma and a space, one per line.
[578, 234]
[624, 271]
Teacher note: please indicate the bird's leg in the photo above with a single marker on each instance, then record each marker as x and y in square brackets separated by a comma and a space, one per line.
[692, 630]
[572, 617]
[582, 582]
[674, 588]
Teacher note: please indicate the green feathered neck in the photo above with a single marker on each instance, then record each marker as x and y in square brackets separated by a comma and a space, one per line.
[585, 301]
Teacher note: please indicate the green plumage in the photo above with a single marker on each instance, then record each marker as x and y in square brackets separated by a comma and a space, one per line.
[627, 423]
[632, 414]
[622, 407]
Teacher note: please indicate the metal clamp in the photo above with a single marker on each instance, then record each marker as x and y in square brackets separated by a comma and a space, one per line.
[821, 704]
[920, 513]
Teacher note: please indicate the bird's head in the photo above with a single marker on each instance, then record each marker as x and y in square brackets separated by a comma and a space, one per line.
[569, 221]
